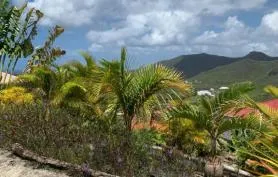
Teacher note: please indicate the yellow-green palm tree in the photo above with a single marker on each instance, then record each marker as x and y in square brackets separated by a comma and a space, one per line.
[53, 87]
[89, 76]
[130, 90]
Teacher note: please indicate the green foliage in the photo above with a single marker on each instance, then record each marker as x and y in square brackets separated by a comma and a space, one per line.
[239, 71]
[132, 89]
[212, 113]
[16, 35]
[189, 139]
[78, 139]
[46, 55]
[78, 69]
[55, 88]
[15, 95]
[261, 149]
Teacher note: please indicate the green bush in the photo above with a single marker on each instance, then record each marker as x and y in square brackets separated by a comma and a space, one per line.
[185, 135]
[99, 142]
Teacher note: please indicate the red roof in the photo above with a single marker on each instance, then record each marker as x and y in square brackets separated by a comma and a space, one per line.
[271, 103]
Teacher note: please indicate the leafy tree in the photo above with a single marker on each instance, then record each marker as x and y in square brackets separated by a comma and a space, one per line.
[212, 113]
[47, 54]
[16, 35]
[89, 76]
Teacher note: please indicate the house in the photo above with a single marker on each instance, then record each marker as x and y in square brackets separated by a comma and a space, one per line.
[204, 93]
[5, 78]
[223, 88]
[272, 104]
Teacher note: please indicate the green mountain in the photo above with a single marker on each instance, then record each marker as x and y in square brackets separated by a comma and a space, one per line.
[191, 65]
[213, 73]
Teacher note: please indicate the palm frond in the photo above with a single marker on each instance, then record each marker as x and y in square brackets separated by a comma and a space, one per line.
[272, 90]
[90, 61]
[251, 122]
[151, 80]
[233, 93]
[193, 113]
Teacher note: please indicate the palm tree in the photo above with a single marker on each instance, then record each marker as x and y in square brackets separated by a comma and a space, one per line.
[89, 76]
[132, 89]
[212, 113]
[79, 69]
[53, 87]
[265, 149]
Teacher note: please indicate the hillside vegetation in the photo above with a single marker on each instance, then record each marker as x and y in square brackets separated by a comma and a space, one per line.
[262, 73]
[211, 71]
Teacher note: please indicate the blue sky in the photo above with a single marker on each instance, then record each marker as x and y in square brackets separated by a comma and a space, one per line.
[154, 30]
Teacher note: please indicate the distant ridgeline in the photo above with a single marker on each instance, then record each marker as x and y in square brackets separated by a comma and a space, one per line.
[207, 71]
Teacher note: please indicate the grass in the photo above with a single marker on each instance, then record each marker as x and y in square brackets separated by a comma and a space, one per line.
[261, 73]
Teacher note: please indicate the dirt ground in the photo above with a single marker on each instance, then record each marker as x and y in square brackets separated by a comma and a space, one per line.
[12, 166]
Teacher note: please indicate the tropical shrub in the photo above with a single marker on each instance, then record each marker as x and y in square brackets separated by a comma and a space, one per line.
[189, 139]
[261, 151]
[16, 95]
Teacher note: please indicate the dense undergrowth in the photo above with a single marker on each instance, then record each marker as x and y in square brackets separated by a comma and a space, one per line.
[77, 139]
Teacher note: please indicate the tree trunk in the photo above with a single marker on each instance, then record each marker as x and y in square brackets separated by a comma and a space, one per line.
[214, 168]
[127, 145]
[20, 151]
[213, 146]
[46, 107]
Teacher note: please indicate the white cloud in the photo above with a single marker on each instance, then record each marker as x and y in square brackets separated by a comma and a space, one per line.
[270, 22]
[235, 33]
[154, 28]
[239, 39]
[65, 12]
[80, 12]
[95, 47]
[158, 25]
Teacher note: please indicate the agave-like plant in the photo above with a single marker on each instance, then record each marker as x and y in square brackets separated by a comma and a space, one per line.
[16, 35]
[131, 90]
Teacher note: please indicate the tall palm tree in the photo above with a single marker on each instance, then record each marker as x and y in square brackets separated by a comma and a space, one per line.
[132, 89]
[212, 113]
